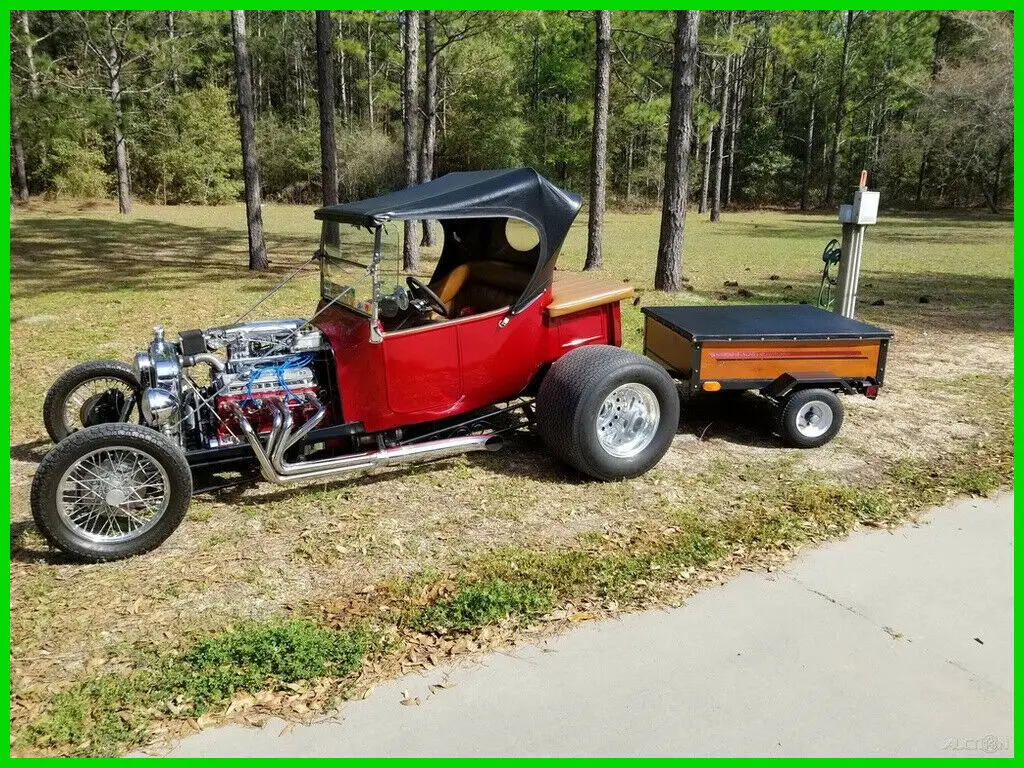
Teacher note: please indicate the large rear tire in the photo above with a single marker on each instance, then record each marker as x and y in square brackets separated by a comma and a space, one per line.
[97, 392]
[111, 491]
[607, 412]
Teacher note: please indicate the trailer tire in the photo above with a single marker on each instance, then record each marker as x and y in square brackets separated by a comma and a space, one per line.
[607, 412]
[97, 478]
[810, 417]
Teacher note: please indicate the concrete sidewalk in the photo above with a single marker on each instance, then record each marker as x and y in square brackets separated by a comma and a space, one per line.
[888, 643]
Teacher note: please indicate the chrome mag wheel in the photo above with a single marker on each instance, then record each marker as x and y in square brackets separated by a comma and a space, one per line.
[628, 420]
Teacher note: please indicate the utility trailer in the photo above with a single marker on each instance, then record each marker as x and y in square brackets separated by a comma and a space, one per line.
[798, 356]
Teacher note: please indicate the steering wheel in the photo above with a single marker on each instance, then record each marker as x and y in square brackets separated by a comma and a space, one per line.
[421, 289]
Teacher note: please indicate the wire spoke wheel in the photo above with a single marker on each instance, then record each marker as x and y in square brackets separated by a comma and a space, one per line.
[628, 420]
[98, 401]
[113, 494]
[92, 393]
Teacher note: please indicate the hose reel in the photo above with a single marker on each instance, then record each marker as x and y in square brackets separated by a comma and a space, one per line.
[829, 274]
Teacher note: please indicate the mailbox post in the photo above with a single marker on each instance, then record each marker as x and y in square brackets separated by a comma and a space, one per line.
[855, 218]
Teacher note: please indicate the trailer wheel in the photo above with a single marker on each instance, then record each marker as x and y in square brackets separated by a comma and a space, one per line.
[810, 417]
[111, 491]
[607, 412]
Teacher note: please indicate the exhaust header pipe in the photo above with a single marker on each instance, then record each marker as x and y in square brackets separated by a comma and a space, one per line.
[282, 437]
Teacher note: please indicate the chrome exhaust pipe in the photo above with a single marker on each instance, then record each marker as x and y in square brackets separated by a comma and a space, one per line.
[276, 470]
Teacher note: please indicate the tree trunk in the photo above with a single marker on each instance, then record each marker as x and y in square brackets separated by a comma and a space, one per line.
[705, 179]
[325, 91]
[247, 130]
[411, 49]
[805, 182]
[599, 140]
[300, 76]
[124, 195]
[629, 167]
[30, 57]
[697, 160]
[833, 162]
[369, 75]
[261, 98]
[734, 127]
[716, 199]
[171, 52]
[998, 177]
[922, 172]
[669, 272]
[342, 71]
[985, 191]
[19, 164]
[19, 154]
[444, 106]
[429, 144]
[764, 73]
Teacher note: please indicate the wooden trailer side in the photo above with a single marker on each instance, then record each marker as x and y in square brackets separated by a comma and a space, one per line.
[755, 363]
[667, 347]
[767, 360]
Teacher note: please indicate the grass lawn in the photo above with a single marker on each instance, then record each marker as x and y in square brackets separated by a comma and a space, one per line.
[400, 568]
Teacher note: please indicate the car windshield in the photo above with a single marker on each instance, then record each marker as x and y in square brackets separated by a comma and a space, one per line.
[346, 252]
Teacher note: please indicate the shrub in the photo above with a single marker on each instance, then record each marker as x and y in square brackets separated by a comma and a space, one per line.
[77, 169]
[289, 158]
[247, 657]
[369, 163]
[101, 715]
[191, 154]
[485, 603]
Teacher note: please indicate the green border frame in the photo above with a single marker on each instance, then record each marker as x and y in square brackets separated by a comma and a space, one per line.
[5, 262]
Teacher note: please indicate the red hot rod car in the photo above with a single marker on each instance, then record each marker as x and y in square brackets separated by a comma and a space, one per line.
[383, 372]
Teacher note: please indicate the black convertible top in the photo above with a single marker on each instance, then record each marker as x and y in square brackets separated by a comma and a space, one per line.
[517, 193]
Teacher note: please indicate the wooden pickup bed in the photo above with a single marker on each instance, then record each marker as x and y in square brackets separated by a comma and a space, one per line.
[750, 346]
[573, 292]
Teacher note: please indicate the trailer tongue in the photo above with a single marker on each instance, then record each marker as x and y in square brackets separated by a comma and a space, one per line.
[797, 355]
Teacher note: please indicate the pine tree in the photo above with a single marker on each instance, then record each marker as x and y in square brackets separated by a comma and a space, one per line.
[247, 129]
[668, 275]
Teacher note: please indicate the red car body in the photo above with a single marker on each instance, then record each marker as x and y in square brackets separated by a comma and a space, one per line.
[438, 371]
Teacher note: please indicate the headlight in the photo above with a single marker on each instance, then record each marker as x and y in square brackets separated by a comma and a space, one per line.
[144, 369]
[158, 367]
[159, 406]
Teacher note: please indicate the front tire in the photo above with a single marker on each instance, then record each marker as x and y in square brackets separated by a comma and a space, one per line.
[97, 392]
[607, 412]
[810, 417]
[111, 491]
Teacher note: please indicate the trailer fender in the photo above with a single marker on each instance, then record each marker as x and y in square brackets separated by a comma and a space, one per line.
[787, 383]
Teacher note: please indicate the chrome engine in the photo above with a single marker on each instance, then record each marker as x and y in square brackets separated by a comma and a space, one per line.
[252, 366]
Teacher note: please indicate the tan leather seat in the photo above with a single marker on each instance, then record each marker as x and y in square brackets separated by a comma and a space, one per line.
[480, 286]
[448, 287]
